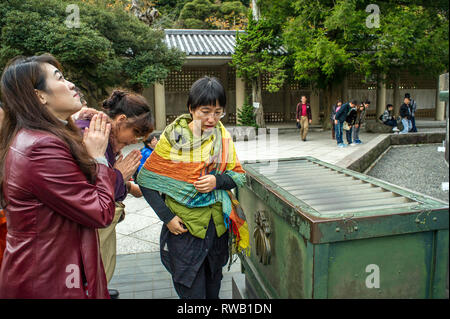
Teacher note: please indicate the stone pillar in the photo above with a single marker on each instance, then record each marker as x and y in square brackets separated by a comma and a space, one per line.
[160, 107]
[381, 95]
[397, 102]
[440, 105]
[315, 108]
[149, 94]
[240, 95]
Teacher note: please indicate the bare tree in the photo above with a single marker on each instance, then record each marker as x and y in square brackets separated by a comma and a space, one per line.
[148, 16]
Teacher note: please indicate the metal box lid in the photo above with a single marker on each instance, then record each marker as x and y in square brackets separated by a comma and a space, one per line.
[329, 203]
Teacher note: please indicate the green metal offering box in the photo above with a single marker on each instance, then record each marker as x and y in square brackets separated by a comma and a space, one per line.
[321, 231]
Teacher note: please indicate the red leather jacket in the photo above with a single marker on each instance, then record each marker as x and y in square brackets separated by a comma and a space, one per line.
[52, 212]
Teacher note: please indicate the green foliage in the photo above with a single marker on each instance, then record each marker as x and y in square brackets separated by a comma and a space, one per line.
[246, 115]
[110, 48]
[210, 14]
[194, 13]
[326, 39]
[257, 53]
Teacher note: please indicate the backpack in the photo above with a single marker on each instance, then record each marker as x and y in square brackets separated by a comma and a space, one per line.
[381, 117]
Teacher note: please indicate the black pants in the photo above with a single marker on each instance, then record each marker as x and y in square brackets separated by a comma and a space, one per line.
[348, 135]
[413, 122]
[195, 264]
[206, 285]
[391, 122]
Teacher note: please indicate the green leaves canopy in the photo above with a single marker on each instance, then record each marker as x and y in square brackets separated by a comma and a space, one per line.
[328, 38]
[110, 48]
[257, 52]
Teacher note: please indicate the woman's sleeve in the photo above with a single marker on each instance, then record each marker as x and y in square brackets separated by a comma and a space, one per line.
[157, 203]
[224, 181]
[58, 182]
[120, 190]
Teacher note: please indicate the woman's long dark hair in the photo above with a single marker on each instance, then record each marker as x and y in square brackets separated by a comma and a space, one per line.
[23, 110]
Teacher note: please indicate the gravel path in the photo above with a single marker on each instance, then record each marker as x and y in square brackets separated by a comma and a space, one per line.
[418, 167]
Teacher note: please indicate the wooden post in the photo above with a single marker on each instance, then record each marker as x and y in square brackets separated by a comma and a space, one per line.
[160, 107]
[315, 108]
[381, 95]
[440, 105]
[397, 99]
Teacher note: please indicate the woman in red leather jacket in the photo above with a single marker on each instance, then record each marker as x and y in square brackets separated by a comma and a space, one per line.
[2, 214]
[55, 187]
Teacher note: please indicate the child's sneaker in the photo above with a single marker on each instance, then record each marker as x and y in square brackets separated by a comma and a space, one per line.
[352, 144]
[340, 145]
[395, 129]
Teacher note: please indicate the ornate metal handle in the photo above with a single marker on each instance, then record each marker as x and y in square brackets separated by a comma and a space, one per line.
[260, 235]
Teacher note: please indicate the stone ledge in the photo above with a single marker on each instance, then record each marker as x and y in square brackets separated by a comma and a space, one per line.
[361, 159]
[375, 126]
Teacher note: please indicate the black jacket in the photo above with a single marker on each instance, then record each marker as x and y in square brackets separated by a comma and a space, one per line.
[405, 111]
[342, 113]
[351, 117]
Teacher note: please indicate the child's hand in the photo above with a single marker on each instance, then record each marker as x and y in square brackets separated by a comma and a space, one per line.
[206, 183]
[135, 190]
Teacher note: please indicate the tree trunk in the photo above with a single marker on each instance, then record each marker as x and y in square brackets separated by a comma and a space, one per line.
[332, 93]
[257, 98]
[397, 99]
[255, 10]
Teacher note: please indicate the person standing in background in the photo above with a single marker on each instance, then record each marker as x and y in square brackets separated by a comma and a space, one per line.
[303, 115]
[405, 114]
[360, 119]
[412, 109]
[334, 109]
[349, 125]
[341, 115]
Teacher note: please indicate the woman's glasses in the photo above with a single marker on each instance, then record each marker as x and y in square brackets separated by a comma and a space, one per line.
[216, 115]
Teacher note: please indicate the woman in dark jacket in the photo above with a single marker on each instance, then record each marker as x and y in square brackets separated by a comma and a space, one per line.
[350, 119]
[56, 186]
[405, 115]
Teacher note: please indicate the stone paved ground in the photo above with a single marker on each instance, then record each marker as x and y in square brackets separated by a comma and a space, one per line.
[142, 276]
[139, 272]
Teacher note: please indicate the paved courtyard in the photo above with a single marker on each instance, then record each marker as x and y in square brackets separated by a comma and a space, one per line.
[139, 272]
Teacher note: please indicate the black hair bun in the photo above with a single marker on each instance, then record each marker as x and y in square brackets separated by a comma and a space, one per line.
[115, 98]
